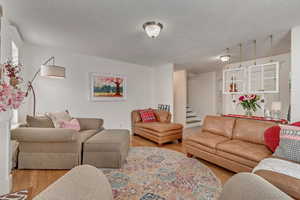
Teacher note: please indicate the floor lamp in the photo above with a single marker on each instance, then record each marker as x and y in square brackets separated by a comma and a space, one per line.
[45, 70]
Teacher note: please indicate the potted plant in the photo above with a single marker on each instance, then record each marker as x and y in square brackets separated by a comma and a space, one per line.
[249, 103]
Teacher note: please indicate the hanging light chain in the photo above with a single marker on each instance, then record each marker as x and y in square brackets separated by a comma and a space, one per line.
[254, 41]
[271, 46]
[240, 54]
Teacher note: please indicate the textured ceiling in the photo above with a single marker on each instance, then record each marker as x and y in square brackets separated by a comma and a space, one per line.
[195, 32]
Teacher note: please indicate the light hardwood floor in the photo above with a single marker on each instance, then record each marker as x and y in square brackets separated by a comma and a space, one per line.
[38, 180]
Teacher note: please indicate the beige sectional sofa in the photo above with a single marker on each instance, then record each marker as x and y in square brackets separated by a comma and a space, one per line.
[46, 147]
[81, 183]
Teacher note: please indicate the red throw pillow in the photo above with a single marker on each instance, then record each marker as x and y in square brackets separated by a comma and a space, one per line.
[296, 124]
[272, 137]
[148, 115]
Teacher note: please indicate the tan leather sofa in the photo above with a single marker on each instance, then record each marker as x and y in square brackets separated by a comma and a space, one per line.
[161, 132]
[235, 144]
[53, 148]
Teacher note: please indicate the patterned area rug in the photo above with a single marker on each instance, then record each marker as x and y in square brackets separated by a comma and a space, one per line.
[159, 174]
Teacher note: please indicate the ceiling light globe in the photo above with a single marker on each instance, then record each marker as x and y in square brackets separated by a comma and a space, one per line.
[225, 58]
[152, 29]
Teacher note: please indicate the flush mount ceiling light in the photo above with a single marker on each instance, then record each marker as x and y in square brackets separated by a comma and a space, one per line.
[225, 58]
[152, 28]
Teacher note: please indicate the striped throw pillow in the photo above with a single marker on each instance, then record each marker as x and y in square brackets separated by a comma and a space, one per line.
[289, 145]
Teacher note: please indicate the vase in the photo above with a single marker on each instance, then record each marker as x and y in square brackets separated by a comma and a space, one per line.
[5, 164]
[248, 113]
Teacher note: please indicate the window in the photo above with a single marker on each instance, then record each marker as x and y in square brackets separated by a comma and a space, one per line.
[15, 60]
[14, 53]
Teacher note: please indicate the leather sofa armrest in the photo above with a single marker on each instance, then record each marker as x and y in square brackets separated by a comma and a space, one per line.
[91, 124]
[287, 184]
[44, 135]
[251, 187]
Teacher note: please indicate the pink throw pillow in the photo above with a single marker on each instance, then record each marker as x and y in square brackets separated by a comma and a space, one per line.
[73, 124]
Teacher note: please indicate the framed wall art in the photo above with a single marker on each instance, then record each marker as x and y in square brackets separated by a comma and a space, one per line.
[107, 87]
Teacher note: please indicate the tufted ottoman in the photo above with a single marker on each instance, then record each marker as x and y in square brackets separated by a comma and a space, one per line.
[107, 149]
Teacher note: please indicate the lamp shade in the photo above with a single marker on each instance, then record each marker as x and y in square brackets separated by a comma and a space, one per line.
[53, 71]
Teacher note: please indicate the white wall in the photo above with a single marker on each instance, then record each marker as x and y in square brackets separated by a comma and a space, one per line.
[180, 96]
[9, 33]
[163, 85]
[72, 93]
[202, 93]
[295, 74]
[284, 92]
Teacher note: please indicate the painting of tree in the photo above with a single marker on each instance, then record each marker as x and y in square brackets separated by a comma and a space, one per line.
[107, 87]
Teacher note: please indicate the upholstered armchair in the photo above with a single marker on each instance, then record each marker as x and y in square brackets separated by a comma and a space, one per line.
[161, 131]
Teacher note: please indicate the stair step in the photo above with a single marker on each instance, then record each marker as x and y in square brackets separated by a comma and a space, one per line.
[193, 125]
[189, 111]
[193, 121]
[191, 116]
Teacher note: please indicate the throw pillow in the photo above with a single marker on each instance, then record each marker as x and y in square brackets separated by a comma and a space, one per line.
[39, 122]
[271, 137]
[296, 124]
[289, 144]
[56, 117]
[20, 195]
[147, 115]
[73, 124]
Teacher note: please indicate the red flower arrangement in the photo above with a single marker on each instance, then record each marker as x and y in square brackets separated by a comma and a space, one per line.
[13, 72]
[249, 103]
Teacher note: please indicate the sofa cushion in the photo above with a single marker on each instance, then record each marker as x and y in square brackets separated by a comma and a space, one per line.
[39, 122]
[207, 139]
[87, 134]
[159, 127]
[241, 160]
[251, 130]
[139, 130]
[251, 151]
[162, 116]
[219, 125]
[188, 144]
[90, 124]
[56, 117]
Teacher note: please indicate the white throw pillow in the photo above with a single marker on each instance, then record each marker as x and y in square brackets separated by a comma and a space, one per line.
[56, 117]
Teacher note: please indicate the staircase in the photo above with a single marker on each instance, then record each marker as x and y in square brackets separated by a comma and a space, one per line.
[192, 118]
